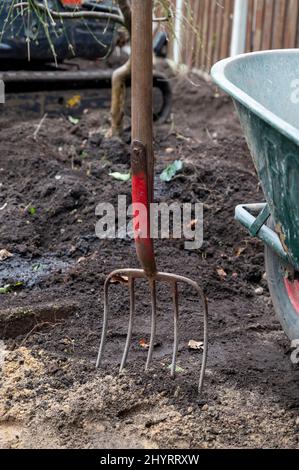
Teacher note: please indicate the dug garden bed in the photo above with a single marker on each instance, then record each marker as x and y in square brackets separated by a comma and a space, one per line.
[50, 394]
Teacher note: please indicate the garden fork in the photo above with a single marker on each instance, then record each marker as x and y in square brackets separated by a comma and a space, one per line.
[142, 167]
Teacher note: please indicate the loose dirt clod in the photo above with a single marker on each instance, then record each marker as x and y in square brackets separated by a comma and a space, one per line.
[4, 254]
[259, 291]
[195, 345]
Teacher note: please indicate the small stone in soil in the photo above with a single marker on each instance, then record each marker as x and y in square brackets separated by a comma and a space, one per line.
[259, 291]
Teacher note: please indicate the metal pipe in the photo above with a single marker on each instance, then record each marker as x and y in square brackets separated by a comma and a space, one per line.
[178, 32]
[238, 40]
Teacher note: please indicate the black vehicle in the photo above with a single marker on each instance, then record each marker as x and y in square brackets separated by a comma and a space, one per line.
[35, 53]
[25, 37]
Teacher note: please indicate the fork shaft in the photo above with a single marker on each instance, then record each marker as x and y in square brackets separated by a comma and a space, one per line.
[142, 81]
[142, 157]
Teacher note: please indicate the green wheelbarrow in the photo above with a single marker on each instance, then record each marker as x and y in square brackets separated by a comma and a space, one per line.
[265, 90]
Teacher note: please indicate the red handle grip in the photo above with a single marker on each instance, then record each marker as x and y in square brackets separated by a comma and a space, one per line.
[141, 209]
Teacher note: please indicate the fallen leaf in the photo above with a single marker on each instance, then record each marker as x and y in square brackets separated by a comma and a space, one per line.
[195, 345]
[83, 154]
[182, 137]
[73, 101]
[18, 284]
[168, 174]
[119, 279]
[10, 287]
[240, 251]
[178, 369]
[31, 210]
[37, 267]
[221, 273]
[6, 289]
[121, 176]
[143, 344]
[169, 150]
[73, 120]
[4, 254]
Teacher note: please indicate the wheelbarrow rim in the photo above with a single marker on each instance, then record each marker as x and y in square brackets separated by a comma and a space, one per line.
[283, 291]
[219, 77]
[292, 288]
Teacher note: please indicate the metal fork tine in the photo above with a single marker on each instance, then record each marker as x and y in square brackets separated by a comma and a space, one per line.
[173, 280]
[153, 323]
[175, 322]
[130, 327]
[206, 341]
[105, 324]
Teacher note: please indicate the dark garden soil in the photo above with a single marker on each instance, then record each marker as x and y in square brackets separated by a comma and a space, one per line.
[51, 316]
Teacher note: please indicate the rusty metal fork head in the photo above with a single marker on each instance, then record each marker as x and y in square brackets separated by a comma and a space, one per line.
[173, 281]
